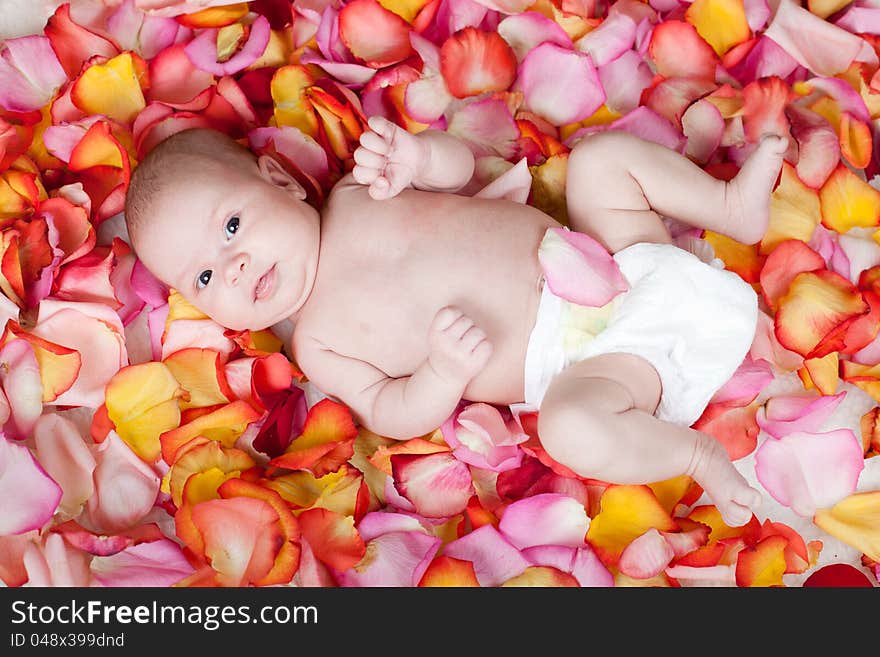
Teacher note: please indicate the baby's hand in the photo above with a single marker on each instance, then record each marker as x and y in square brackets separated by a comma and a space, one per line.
[459, 349]
[388, 158]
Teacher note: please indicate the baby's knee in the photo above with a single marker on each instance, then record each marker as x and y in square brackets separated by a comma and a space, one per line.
[576, 434]
[597, 150]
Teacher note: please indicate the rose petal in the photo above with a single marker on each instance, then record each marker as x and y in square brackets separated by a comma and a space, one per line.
[545, 519]
[495, 559]
[579, 269]
[559, 84]
[22, 478]
[807, 471]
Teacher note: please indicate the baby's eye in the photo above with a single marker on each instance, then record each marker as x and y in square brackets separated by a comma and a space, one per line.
[204, 279]
[231, 227]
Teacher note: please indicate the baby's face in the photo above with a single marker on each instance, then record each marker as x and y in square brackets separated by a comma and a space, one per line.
[239, 246]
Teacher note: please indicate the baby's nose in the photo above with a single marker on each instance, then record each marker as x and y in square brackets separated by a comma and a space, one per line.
[236, 266]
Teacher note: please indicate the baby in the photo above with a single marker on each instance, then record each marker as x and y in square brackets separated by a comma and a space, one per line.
[407, 297]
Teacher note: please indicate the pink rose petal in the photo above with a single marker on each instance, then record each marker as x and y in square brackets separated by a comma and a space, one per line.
[810, 471]
[23, 480]
[646, 556]
[495, 559]
[545, 519]
[66, 458]
[784, 415]
[393, 559]
[559, 84]
[125, 487]
[438, 485]
[815, 43]
[30, 73]
[96, 332]
[749, 379]
[156, 563]
[297, 146]
[377, 523]
[624, 79]
[147, 35]
[523, 32]
[579, 269]
[487, 126]
[818, 145]
[582, 563]
[515, 184]
[20, 380]
[202, 51]
[614, 36]
[55, 563]
[481, 437]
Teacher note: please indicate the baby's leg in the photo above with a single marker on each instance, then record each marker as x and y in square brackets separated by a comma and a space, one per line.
[618, 185]
[596, 418]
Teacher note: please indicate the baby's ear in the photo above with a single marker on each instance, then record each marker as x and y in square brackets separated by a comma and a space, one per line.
[276, 174]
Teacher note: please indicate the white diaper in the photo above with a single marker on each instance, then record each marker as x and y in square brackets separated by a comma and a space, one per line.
[692, 321]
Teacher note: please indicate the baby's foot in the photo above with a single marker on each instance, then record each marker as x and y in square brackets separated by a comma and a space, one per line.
[748, 194]
[722, 482]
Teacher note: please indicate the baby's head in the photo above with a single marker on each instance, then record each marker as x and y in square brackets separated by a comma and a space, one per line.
[230, 231]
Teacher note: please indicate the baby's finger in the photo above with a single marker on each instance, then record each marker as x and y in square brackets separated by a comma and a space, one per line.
[374, 142]
[364, 175]
[459, 327]
[382, 126]
[368, 158]
[472, 337]
[379, 189]
[445, 317]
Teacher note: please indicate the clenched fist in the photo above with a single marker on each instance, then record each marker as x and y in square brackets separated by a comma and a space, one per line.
[459, 349]
[388, 158]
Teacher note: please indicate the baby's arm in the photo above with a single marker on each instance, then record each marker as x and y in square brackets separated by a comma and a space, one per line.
[408, 406]
[389, 159]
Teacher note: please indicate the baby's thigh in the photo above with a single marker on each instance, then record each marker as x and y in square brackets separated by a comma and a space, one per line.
[611, 382]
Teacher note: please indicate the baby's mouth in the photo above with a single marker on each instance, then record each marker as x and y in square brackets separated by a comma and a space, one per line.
[265, 284]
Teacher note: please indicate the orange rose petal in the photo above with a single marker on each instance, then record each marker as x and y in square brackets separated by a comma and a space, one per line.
[708, 515]
[201, 373]
[739, 258]
[374, 35]
[762, 565]
[332, 537]
[343, 491]
[626, 513]
[474, 61]
[824, 372]
[325, 442]
[797, 554]
[141, 402]
[74, 44]
[381, 458]
[76, 235]
[677, 50]
[112, 88]
[288, 94]
[225, 425]
[817, 303]
[214, 16]
[542, 576]
[856, 143]
[99, 147]
[59, 366]
[869, 425]
[288, 556]
[862, 330]
[855, 520]
[704, 556]
[735, 427]
[446, 571]
[788, 259]
[866, 377]
[211, 456]
[847, 201]
[721, 23]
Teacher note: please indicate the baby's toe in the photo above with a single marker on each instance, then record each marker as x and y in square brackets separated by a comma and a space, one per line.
[735, 515]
